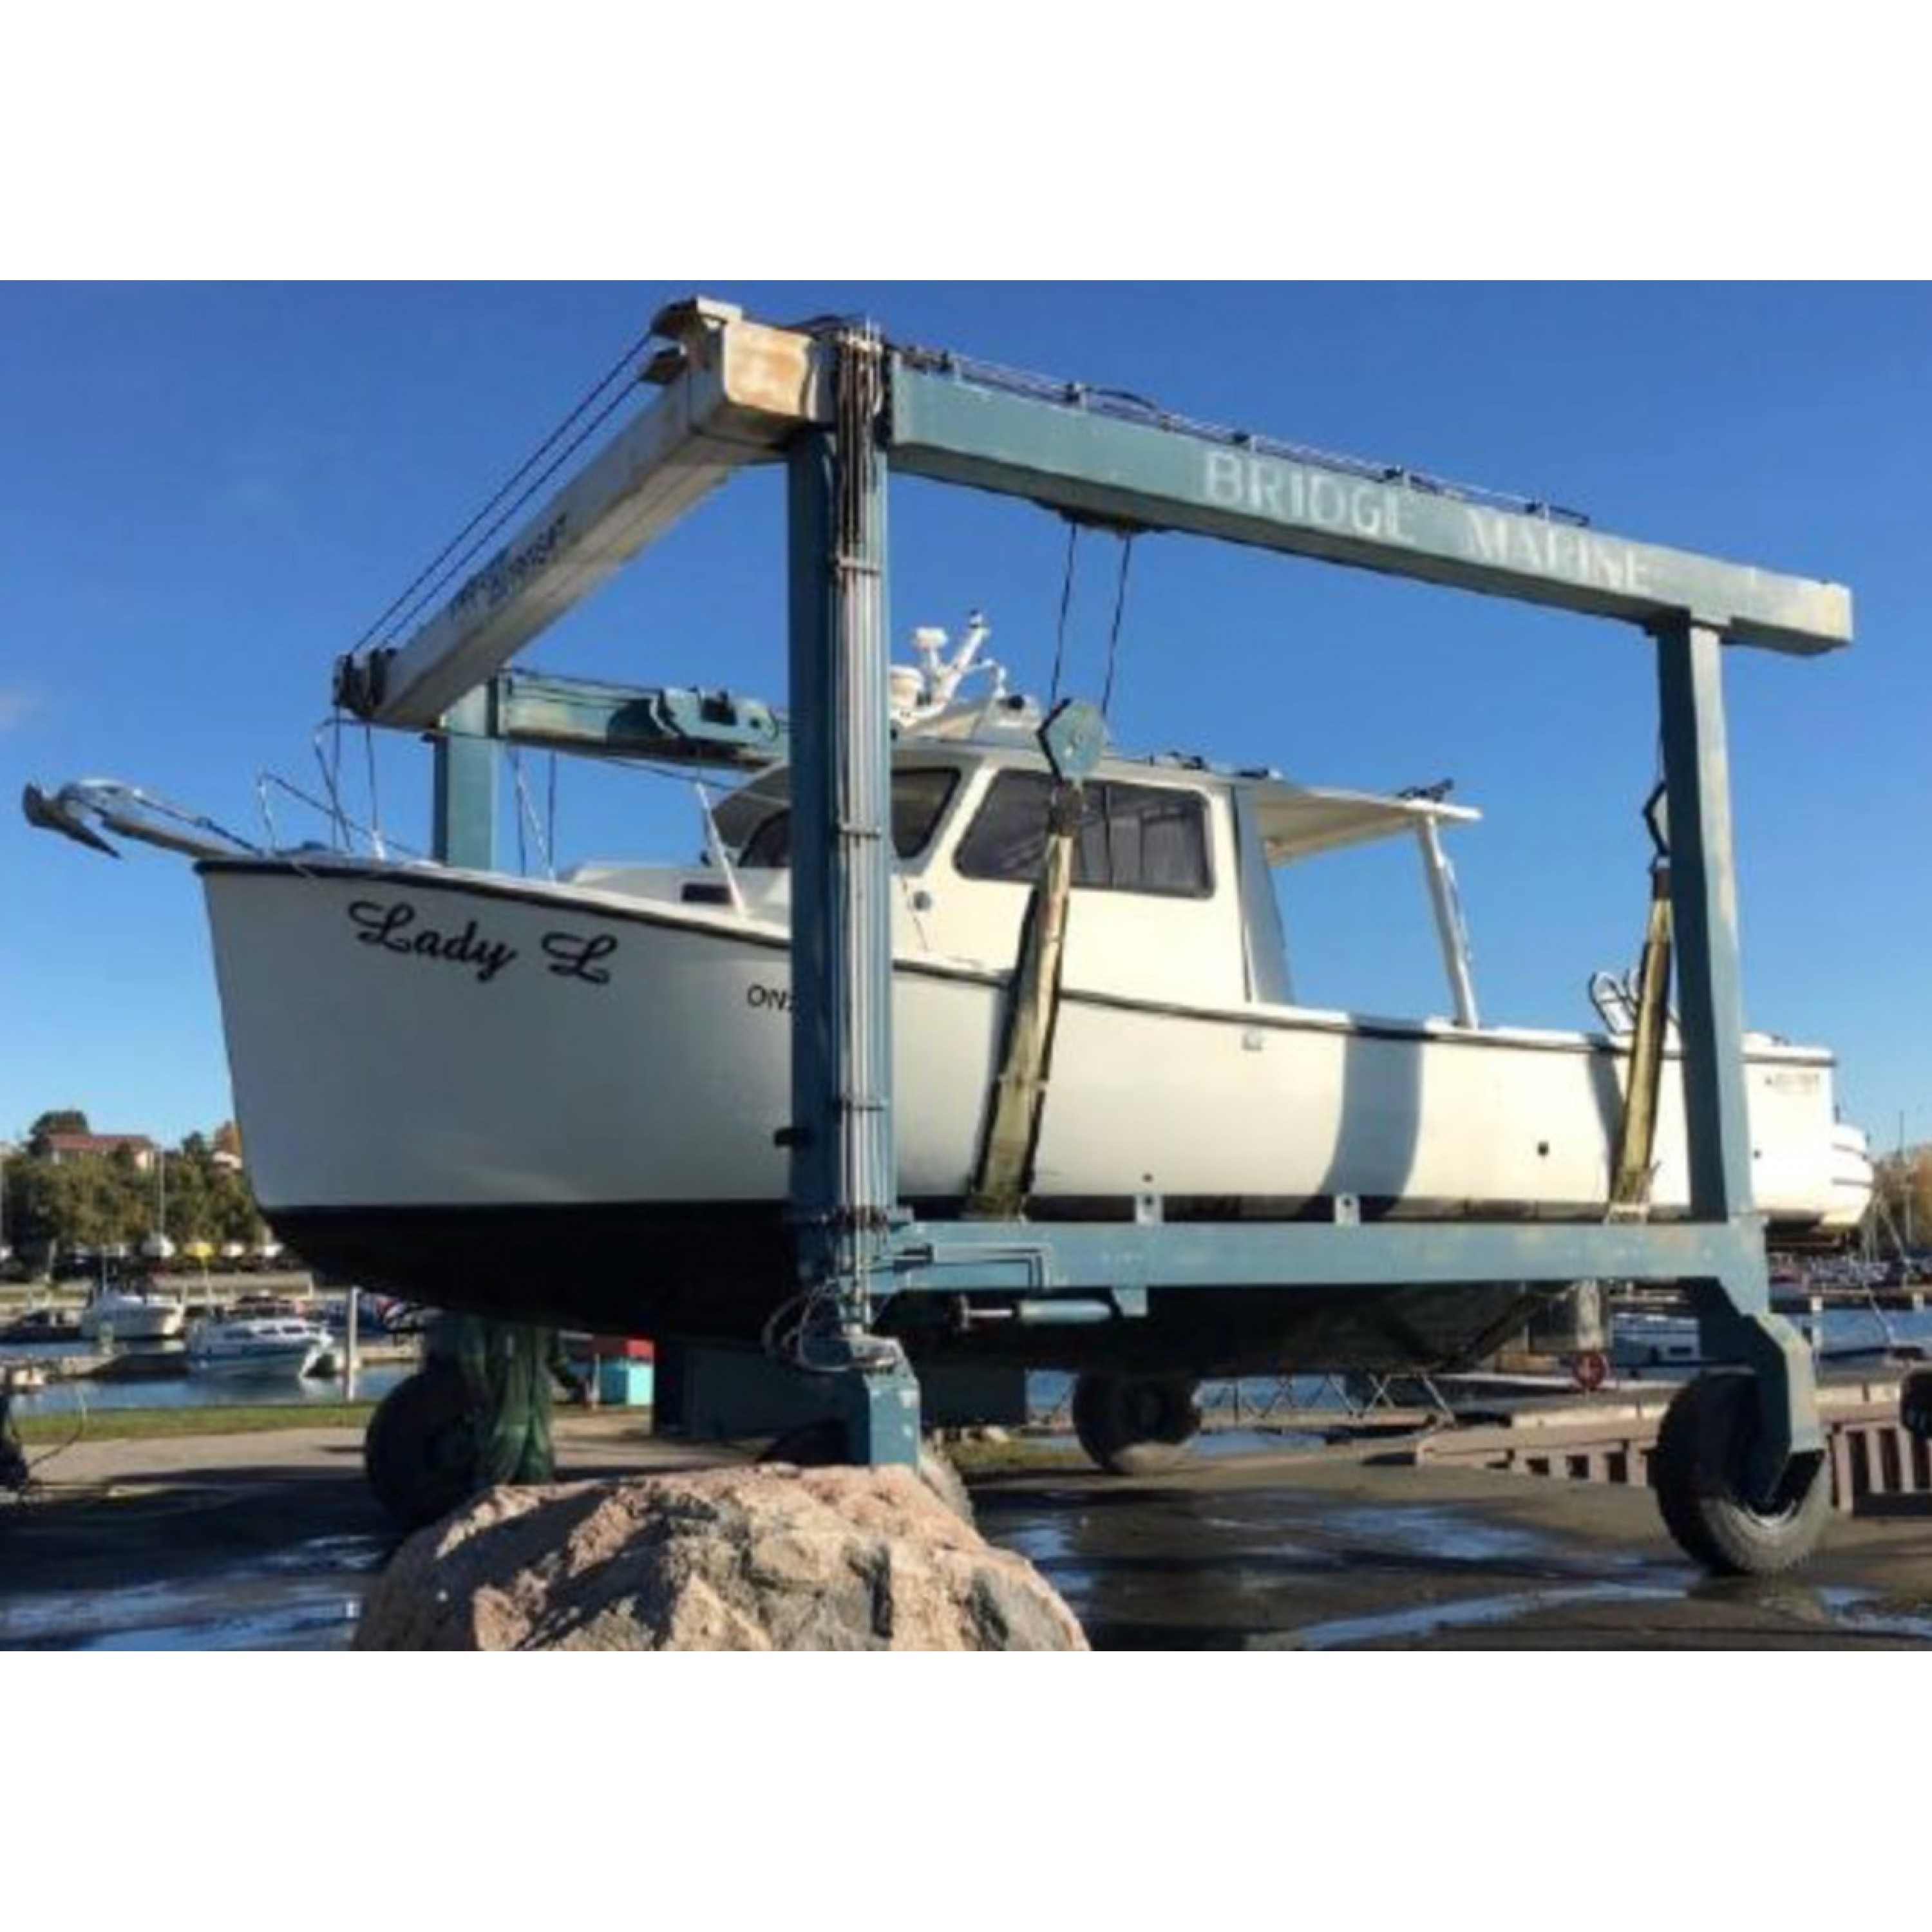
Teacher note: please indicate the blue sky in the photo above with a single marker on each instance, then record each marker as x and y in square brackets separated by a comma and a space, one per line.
[207, 492]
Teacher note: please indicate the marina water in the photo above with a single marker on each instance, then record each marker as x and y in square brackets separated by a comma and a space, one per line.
[1850, 1337]
[183, 1390]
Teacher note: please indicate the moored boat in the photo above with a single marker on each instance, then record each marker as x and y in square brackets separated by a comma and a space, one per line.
[271, 1346]
[124, 1315]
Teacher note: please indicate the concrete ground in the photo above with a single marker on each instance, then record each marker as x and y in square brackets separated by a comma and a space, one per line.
[266, 1541]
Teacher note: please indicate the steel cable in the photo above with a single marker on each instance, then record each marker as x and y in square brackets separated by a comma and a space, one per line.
[536, 456]
[1065, 605]
[1114, 635]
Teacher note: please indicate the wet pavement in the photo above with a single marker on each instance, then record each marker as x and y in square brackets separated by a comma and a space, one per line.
[267, 1542]
[1320, 1552]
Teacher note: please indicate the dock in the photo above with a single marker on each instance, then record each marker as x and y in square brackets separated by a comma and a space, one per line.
[1869, 1451]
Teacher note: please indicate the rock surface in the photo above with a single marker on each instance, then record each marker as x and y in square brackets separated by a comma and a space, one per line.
[769, 1557]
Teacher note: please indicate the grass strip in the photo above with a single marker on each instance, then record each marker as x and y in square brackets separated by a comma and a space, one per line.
[130, 1425]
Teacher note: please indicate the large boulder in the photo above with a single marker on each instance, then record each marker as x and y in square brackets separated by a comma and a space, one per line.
[770, 1558]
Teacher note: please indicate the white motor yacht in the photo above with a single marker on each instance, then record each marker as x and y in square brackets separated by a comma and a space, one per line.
[121, 1315]
[266, 1345]
[565, 1097]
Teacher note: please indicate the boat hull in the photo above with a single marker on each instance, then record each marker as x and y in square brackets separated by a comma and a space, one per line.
[486, 1093]
[132, 1321]
[255, 1348]
[717, 1273]
[260, 1365]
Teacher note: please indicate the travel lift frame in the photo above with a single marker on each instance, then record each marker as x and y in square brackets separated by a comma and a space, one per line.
[1739, 1466]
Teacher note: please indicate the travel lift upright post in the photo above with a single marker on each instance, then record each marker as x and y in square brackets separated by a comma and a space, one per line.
[1739, 1466]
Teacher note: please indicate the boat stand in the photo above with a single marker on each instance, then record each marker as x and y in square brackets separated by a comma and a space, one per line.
[1738, 1475]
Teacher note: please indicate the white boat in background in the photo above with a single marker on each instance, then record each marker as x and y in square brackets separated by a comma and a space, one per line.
[276, 1346]
[1656, 1345]
[563, 1097]
[122, 1315]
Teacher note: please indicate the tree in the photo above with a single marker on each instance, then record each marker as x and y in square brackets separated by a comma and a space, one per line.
[1903, 1183]
[109, 1202]
[57, 1121]
[82, 1204]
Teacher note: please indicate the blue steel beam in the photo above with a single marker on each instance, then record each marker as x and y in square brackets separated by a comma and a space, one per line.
[1076, 457]
[1734, 1316]
[463, 804]
[671, 724]
[943, 1257]
[1704, 912]
[1721, 1264]
[815, 1124]
[841, 877]
[844, 1176]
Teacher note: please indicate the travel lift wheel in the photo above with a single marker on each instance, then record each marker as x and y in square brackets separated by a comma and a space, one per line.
[421, 1452]
[1135, 1425]
[1698, 1469]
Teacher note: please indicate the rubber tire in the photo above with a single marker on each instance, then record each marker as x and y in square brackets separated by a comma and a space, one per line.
[1697, 1469]
[821, 1445]
[1136, 1425]
[419, 1453]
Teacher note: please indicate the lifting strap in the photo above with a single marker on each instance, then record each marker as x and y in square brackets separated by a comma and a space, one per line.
[1637, 1137]
[1003, 1173]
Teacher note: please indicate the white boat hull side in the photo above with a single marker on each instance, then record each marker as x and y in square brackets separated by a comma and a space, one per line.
[364, 1076]
[259, 1364]
[132, 1321]
[557, 1050]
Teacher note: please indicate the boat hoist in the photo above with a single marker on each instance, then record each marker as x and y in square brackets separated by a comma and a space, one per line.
[1739, 1465]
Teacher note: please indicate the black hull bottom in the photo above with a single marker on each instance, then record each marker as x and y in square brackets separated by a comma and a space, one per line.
[718, 1272]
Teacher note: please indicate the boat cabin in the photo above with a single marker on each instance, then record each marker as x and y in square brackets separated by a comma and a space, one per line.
[1173, 899]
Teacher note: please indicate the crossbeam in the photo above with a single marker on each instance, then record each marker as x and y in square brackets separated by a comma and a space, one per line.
[739, 392]
[671, 723]
[1074, 456]
[1097, 1257]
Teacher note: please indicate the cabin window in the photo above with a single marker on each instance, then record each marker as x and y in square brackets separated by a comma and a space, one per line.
[918, 797]
[760, 815]
[1131, 839]
[770, 844]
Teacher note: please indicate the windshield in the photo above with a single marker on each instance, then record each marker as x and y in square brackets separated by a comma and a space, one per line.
[755, 823]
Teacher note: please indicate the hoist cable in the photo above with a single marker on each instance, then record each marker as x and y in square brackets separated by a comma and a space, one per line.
[536, 456]
[1119, 609]
[1065, 605]
[536, 483]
